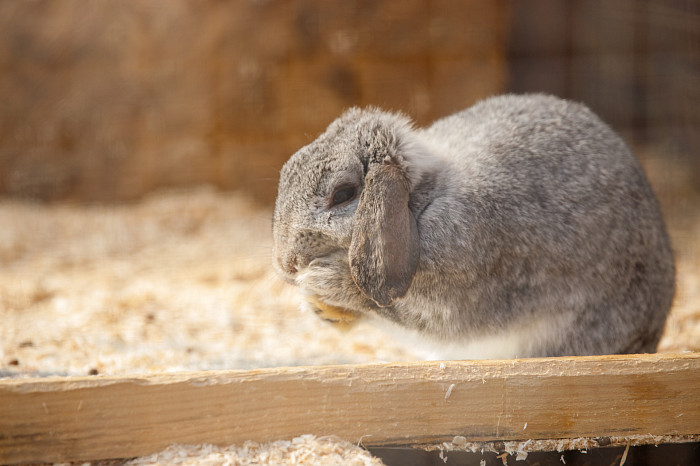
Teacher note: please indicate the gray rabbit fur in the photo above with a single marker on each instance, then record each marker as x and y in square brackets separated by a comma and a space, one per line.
[520, 227]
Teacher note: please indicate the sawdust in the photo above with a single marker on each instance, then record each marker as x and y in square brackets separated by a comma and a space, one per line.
[306, 449]
[180, 281]
[523, 447]
[682, 332]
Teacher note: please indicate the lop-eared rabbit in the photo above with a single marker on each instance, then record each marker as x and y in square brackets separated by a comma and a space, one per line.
[520, 227]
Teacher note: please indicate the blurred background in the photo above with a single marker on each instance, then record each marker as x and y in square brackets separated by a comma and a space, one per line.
[109, 100]
[141, 142]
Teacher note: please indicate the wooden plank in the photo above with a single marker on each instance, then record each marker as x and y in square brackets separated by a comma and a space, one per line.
[89, 418]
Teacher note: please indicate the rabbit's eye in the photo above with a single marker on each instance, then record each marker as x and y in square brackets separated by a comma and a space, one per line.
[343, 195]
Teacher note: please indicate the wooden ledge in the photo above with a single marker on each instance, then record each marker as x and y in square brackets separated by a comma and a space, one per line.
[90, 418]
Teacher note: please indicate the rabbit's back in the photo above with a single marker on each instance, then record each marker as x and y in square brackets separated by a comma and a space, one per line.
[556, 215]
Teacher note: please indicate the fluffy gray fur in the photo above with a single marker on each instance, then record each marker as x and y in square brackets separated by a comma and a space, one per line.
[522, 217]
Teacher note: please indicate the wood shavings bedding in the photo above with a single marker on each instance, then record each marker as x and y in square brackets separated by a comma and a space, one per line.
[306, 449]
[180, 281]
[564, 444]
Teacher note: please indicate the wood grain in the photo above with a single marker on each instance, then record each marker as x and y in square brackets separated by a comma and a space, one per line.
[89, 418]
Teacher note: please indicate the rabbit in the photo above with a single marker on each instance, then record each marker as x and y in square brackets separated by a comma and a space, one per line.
[522, 226]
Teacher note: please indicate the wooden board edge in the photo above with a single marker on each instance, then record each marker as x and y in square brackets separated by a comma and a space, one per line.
[427, 403]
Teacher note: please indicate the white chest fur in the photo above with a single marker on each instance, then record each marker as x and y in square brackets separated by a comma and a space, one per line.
[517, 340]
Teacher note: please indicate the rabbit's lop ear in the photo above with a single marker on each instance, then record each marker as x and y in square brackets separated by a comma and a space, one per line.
[384, 249]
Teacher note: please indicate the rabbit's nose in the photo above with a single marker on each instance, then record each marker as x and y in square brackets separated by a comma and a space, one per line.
[286, 269]
[292, 266]
[289, 265]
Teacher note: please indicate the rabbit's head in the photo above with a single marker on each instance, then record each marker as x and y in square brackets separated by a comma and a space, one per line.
[346, 196]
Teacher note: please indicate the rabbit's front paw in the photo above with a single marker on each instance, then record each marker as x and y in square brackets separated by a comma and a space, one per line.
[340, 317]
[329, 290]
[329, 278]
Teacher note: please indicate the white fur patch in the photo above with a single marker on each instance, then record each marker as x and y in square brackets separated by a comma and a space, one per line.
[420, 156]
[513, 342]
